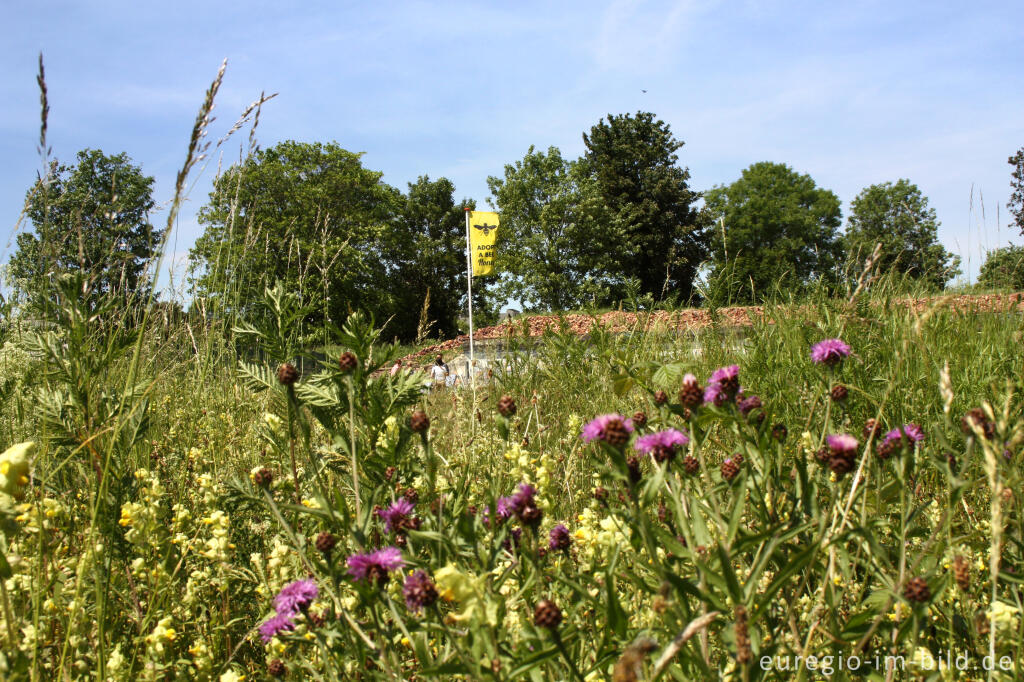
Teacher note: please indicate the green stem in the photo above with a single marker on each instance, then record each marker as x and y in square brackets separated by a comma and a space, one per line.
[565, 654]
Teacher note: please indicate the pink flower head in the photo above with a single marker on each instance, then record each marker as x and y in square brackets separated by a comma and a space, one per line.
[669, 439]
[505, 507]
[842, 444]
[523, 497]
[376, 565]
[274, 626]
[724, 375]
[912, 432]
[595, 430]
[829, 352]
[748, 404]
[395, 514]
[558, 538]
[295, 597]
[715, 395]
[689, 380]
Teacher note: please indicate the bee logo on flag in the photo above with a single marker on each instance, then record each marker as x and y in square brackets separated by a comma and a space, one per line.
[483, 241]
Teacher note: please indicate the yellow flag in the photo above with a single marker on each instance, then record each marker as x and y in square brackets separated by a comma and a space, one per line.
[483, 233]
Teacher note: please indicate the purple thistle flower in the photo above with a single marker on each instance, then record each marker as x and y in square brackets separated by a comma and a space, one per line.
[295, 597]
[829, 352]
[505, 507]
[715, 395]
[727, 379]
[664, 441]
[559, 538]
[395, 514]
[274, 626]
[375, 566]
[913, 432]
[419, 591]
[725, 374]
[523, 497]
[842, 444]
[596, 428]
[747, 405]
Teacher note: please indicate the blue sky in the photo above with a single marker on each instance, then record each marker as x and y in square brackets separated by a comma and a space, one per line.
[852, 93]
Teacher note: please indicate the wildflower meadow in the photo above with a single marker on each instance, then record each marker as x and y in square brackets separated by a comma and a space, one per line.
[834, 492]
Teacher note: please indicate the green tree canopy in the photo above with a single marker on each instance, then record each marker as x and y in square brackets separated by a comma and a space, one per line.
[550, 231]
[427, 249]
[1003, 269]
[306, 214]
[91, 217]
[1016, 204]
[777, 228]
[653, 230]
[312, 217]
[897, 216]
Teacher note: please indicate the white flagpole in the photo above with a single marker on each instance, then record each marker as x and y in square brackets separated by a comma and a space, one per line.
[469, 298]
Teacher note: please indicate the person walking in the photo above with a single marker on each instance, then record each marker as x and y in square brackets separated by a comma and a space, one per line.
[439, 373]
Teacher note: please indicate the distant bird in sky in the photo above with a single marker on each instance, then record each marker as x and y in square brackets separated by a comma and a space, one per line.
[643, 91]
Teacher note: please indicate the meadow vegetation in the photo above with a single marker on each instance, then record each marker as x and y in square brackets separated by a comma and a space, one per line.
[178, 514]
[225, 495]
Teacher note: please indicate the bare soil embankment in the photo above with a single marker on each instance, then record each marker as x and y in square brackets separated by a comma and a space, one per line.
[694, 318]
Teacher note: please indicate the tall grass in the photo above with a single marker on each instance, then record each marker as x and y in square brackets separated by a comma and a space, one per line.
[183, 478]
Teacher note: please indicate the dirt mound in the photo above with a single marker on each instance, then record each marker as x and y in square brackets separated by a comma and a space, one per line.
[694, 318]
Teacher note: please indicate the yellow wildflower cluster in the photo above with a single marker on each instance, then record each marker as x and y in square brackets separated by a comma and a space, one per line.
[218, 545]
[162, 635]
[14, 469]
[389, 434]
[142, 518]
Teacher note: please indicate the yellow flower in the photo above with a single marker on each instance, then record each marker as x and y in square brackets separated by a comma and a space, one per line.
[14, 468]
[1004, 615]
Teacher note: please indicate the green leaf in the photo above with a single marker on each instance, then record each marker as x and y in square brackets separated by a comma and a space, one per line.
[622, 384]
[531, 662]
[669, 375]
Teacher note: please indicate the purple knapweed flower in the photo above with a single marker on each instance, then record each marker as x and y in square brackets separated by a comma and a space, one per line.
[842, 444]
[505, 507]
[912, 432]
[727, 379]
[725, 374]
[419, 591]
[662, 444]
[558, 538]
[274, 626]
[395, 514]
[295, 597]
[715, 395]
[829, 352]
[376, 565]
[748, 404]
[609, 428]
[523, 497]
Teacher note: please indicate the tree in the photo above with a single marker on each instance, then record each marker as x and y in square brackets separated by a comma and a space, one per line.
[306, 214]
[1003, 269]
[91, 217]
[653, 229]
[549, 228]
[897, 216]
[778, 228]
[428, 249]
[1016, 204]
